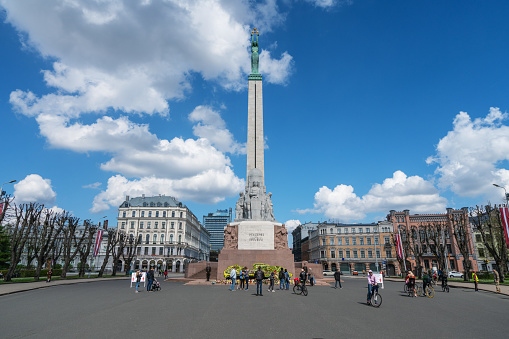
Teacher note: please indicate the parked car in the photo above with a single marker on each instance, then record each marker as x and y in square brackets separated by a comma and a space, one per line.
[328, 273]
[355, 273]
[455, 274]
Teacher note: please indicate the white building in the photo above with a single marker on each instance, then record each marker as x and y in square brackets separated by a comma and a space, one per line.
[171, 235]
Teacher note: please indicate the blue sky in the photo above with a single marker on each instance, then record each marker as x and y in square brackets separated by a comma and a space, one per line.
[368, 105]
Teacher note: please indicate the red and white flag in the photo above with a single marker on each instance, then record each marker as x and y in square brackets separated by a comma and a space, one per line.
[399, 245]
[504, 213]
[98, 242]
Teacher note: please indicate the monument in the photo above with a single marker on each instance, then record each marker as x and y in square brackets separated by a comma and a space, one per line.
[255, 237]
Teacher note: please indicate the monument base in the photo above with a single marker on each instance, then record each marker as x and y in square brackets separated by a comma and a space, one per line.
[247, 258]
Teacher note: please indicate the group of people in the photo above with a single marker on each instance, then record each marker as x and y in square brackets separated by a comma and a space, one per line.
[259, 276]
[150, 279]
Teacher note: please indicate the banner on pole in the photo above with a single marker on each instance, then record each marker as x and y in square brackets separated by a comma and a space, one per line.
[98, 242]
[399, 245]
[504, 214]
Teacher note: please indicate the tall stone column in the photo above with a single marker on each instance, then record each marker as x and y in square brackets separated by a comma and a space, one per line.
[255, 158]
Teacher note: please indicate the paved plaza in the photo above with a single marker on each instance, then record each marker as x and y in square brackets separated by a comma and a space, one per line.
[110, 309]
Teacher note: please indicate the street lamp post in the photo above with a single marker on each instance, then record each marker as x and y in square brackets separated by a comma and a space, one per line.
[2, 187]
[506, 195]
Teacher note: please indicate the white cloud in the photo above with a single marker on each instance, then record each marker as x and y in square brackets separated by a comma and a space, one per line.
[94, 185]
[207, 187]
[329, 3]
[291, 225]
[399, 192]
[212, 127]
[34, 189]
[471, 157]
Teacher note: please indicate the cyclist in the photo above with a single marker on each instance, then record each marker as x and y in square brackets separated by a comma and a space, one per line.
[425, 281]
[444, 280]
[372, 285]
[303, 276]
[411, 282]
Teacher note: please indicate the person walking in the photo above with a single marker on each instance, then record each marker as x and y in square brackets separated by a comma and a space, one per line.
[259, 276]
[138, 279]
[496, 278]
[281, 277]
[476, 281]
[150, 278]
[287, 279]
[311, 277]
[233, 277]
[246, 277]
[337, 277]
[272, 277]
[165, 274]
[49, 274]
[208, 269]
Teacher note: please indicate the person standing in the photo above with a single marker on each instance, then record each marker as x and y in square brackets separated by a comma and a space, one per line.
[337, 277]
[242, 277]
[246, 277]
[311, 277]
[165, 274]
[150, 278]
[272, 277]
[287, 279]
[138, 279]
[233, 277]
[49, 274]
[281, 277]
[476, 281]
[208, 269]
[259, 276]
[496, 278]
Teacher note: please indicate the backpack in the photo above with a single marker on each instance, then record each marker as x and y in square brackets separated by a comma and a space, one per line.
[287, 276]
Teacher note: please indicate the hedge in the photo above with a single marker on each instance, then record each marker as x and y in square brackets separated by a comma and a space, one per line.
[31, 273]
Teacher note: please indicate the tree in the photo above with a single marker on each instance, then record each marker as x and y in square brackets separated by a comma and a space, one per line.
[415, 245]
[47, 234]
[25, 219]
[5, 250]
[113, 240]
[436, 235]
[487, 220]
[117, 251]
[459, 223]
[85, 247]
[130, 249]
[72, 241]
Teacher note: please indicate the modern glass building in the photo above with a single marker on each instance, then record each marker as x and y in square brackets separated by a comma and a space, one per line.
[215, 223]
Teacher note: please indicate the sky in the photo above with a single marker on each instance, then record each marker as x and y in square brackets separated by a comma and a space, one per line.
[369, 106]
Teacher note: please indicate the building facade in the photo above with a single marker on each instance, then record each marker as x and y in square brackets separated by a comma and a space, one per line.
[404, 220]
[171, 235]
[300, 238]
[215, 223]
[353, 247]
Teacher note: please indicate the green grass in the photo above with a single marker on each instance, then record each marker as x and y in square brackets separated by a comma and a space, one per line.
[31, 279]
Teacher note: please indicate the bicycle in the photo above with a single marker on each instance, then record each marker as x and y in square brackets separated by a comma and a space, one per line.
[430, 292]
[300, 289]
[376, 298]
[445, 288]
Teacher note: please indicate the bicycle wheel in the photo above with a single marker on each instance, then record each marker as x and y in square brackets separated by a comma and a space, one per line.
[405, 288]
[304, 291]
[430, 292]
[296, 289]
[376, 300]
[418, 289]
[447, 289]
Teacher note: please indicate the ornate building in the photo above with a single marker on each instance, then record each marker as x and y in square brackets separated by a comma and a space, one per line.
[171, 235]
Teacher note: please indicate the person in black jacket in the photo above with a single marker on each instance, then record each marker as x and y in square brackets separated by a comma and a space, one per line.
[281, 279]
[150, 278]
[208, 269]
[337, 277]
[259, 276]
[303, 276]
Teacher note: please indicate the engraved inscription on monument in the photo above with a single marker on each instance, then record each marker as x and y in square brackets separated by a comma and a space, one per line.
[256, 236]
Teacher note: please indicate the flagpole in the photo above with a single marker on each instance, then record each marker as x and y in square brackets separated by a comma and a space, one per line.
[402, 250]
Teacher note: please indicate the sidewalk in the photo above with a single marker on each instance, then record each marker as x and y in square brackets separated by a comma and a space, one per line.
[9, 288]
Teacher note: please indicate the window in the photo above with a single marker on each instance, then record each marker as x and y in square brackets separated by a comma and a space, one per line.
[387, 240]
[355, 254]
[368, 229]
[452, 264]
[164, 214]
[354, 240]
[132, 225]
[124, 214]
[376, 240]
[173, 214]
[363, 254]
[157, 214]
[481, 252]
[141, 224]
[155, 238]
[378, 253]
[162, 238]
[160, 250]
[370, 254]
[331, 230]
[346, 230]
[143, 214]
[331, 241]
[347, 241]
[477, 236]
[171, 238]
[340, 242]
[148, 224]
[163, 225]
[180, 238]
[347, 254]
[123, 225]
[361, 241]
[146, 251]
[449, 248]
[323, 242]
[339, 230]
[368, 240]
[360, 230]
[172, 225]
[340, 253]
[150, 214]
[139, 251]
[181, 214]
[155, 225]
[322, 254]
[153, 251]
[134, 213]
[147, 238]
[353, 230]
[180, 225]
[388, 254]
[333, 254]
